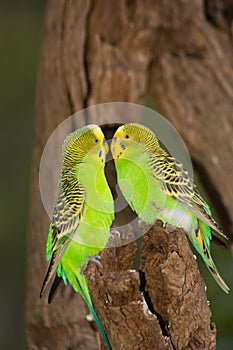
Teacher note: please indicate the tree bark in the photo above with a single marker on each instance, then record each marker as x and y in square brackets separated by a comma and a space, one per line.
[169, 54]
[163, 306]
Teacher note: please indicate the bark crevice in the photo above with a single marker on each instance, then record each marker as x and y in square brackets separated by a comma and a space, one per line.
[85, 59]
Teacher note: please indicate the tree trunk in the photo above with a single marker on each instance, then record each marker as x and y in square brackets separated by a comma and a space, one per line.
[170, 54]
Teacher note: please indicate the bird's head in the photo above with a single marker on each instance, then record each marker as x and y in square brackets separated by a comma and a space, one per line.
[86, 142]
[101, 146]
[120, 142]
[129, 136]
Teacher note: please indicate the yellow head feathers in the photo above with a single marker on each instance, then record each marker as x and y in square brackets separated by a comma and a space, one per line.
[87, 140]
[136, 133]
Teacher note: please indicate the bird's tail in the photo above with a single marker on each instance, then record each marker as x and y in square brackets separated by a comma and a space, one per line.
[54, 255]
[99, 325]
[79, 283]
[201, 241]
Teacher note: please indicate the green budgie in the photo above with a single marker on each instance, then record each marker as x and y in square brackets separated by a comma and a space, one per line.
[157, 186]
[82, 215]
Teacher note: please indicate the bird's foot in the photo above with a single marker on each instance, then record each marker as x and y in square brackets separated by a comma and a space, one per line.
[169, 228]
[115, 233]
[95, 259]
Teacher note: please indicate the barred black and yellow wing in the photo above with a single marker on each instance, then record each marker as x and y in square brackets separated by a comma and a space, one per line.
[67, 215]
[177, 184]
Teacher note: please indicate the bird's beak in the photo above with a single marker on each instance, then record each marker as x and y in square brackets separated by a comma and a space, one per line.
[113, 144]
[106, 148]
[116, 146]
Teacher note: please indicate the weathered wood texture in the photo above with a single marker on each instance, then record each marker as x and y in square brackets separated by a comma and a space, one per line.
[167, 53]
[163, 307]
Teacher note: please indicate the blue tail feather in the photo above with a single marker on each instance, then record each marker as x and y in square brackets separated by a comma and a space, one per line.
[99, 325]
[84, 291]
[79, 283]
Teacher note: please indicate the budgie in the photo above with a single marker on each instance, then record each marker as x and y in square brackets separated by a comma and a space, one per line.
[157, 186]
[83, 213]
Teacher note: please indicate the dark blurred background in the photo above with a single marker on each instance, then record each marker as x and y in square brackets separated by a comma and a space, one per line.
[20, 36]
[20, 32]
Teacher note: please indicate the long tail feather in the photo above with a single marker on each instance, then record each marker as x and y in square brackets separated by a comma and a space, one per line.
[203, 248]
[54, 288]
[54, 262]
[84, 291]
[47, 277]
[99, 325]
[50, 272]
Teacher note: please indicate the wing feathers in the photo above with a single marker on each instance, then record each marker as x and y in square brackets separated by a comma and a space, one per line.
[68, 211]
[177, 184]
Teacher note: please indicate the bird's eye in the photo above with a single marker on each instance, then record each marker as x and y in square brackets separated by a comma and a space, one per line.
[96, 140]
[126, 136]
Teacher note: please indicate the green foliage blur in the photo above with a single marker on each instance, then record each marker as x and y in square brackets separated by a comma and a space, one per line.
[20, 35]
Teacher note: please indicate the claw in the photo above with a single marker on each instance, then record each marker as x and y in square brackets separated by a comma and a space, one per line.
[95, 259]
[115, 233]
[169, 228]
